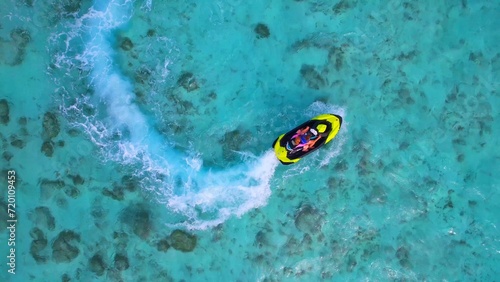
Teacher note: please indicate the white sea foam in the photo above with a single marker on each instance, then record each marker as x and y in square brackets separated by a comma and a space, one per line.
[233, 191]
[147, 5]
[199, 198]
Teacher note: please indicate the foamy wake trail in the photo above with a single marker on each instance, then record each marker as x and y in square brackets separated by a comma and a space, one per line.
[196, 198]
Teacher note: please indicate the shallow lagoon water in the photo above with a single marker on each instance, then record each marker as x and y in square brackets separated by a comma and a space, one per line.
[126, 121]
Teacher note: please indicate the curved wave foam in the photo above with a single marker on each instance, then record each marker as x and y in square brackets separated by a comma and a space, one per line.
[197, 197]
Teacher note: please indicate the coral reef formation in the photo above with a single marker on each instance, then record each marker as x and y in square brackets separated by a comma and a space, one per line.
[97, 264]
[182, 241]
[187, 81]
[262, 31]
[4, 112]
[38, 244]
[65, 246]
[51, 127]
[126, 44]
[309, 219]
[20, 37]
[121, 262]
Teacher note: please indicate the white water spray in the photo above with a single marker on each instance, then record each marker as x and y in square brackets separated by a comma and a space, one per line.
[201, 198]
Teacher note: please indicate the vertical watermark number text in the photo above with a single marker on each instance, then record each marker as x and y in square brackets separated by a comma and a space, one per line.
[12, 220]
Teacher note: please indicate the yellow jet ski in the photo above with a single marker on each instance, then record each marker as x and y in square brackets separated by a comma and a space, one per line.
[306, 138]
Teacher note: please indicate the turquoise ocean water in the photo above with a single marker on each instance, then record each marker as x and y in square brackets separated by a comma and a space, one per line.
[140, 135]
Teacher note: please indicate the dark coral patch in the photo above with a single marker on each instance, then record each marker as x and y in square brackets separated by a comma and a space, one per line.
[404, 145]
[126, 44]
[77, 179]
[233, 141]
[27, 3]
[142, 75]
[16, 142]
[407, 56]
[292, 247]
[7, 155]
[72, 191]
[306, 240]
[4, 112]
[403, 255]
[262, 31]
[51, 184]
[61, 202]
[127, 184]
[73, 132]
[341, 165]
[97, 265]
[163, 245]
[377, 195]
[65, 278]
[42, 217]
[120, 241]
[51, 126]
[187, 81]
[336, 57]
[70, 6]
[261, 239]
[4, 216]
[63, 248]
[182, 241]
[309, 219]
[38, 244]
[130, 183]
[115, 193]
[312, 77]
[121, 262]
[341, 7]
[98, 212]
[476, 57]
[138, 217]
[151, 33]
[21, 37]
[47, 148]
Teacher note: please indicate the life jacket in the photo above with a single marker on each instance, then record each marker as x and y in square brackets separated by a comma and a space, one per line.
[303, 139]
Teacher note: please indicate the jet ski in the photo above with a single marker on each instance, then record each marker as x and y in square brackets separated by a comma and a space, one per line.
[306, 138]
